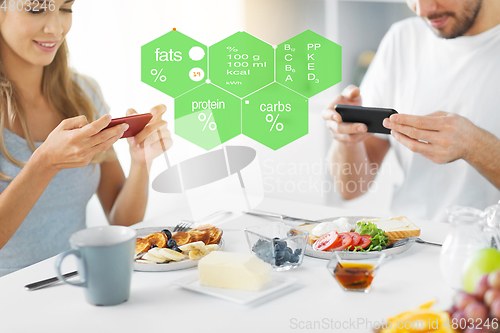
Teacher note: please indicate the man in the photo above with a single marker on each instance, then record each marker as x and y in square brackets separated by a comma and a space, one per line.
[441, 72]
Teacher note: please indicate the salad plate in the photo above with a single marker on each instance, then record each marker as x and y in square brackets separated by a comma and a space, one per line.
[309, 251]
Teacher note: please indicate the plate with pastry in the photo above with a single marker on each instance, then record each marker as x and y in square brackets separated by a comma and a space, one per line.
[159, 249]
[358, 236]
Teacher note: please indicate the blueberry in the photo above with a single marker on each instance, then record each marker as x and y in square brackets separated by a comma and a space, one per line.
[294, 258]
[171, 243]
[153, 246]
[286, 256]
[281, 257]
[176, 248]
[298, 252]
[279, 246]
[167, 233]
[289, 250]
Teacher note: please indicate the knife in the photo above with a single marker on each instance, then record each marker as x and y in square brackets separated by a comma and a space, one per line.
[279, 216]
[47, 282]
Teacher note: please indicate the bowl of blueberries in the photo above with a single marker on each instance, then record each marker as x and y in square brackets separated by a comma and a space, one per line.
[278, 244]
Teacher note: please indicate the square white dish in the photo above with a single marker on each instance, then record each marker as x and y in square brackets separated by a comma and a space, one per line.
[243, 297]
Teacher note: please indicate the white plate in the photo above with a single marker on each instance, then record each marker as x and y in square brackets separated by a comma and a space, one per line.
[277, 283]
[171, 266]
[354, 255]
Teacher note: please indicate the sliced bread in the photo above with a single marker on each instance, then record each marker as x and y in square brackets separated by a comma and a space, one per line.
[396, 228]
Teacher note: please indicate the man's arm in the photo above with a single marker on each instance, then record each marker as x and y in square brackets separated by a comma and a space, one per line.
[355, 155]
[355, 166]
[485, 157]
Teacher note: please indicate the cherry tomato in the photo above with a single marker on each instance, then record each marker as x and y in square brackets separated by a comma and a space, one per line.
[365, 241]
[327, 241]
[346, 241]
[356, 238]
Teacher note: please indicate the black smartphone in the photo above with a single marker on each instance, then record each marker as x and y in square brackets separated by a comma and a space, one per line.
[371, 117]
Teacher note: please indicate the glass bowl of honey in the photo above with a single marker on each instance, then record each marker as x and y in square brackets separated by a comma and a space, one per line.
[355, 274]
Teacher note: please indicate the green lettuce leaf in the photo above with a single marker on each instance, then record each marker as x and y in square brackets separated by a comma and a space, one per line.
[379, 239]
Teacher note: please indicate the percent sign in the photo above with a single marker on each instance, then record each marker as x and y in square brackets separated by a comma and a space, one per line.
[212, 125]
[271, 119]
[232, 49]
[155, 72]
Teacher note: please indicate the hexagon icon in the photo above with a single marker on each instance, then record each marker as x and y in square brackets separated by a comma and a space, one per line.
[275, 116]
[174, 63]
[241, 63]
[207, 116]
[308, 63]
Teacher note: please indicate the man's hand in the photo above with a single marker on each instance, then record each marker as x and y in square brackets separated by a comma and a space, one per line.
[345, 133]
[441, 137]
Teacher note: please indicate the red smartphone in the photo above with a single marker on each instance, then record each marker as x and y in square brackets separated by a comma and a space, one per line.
[136, 123]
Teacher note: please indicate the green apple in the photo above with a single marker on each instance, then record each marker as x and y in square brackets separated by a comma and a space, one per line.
[482, 262]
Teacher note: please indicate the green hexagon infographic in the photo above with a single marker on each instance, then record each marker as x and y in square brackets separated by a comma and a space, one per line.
[207, 116]
[275, 116]
[241, 63]
[174, 63]
[241, 84]
[308, 63]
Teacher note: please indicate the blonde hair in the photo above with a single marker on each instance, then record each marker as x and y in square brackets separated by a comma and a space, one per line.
[62, 93]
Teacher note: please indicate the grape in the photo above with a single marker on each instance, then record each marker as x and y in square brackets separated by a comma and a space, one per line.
[476, 330]
[481, 287]
[452, 310]
[462, 299]
[476, 311]
[458, 314]
[495, 308]
[491, 295]
[494, 279]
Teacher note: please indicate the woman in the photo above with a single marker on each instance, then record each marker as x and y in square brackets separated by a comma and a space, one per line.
[54, 155]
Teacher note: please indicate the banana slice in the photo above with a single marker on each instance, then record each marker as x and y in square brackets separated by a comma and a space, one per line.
[192, 246]
[171, 254]
[142, 261]
[212, 247]
[157, 253]
[196, 254]
[150, 257]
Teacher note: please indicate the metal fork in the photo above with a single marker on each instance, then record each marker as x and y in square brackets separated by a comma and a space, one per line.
[185, 225]
[421, 241]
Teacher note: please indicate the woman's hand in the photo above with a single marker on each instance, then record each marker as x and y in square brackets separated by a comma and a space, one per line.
[346, 133]
[153, 140]
[74, 142]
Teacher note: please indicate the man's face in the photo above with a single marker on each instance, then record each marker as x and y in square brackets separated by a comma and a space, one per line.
[447, 18]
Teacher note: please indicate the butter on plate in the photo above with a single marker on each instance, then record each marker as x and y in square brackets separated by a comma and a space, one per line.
[234, 271]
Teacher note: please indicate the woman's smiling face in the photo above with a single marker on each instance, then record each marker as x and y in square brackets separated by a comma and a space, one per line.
[32, 33]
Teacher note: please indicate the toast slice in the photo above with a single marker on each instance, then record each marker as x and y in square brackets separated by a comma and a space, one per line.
[396, 228]
[308, 227]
